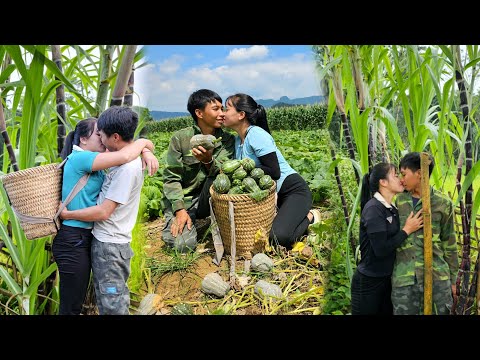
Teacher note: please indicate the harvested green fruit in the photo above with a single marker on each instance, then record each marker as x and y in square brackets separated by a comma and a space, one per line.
[256, 174]
[248, 164]
[182, 309]
[235, 190]
[221, 184]
[250, 185]
[259, 195]
[240, 173]
[261, 263]
[213, 284]
[229, 166]
[237, 182]
[207, 141]
[266, 289]
[265, 182]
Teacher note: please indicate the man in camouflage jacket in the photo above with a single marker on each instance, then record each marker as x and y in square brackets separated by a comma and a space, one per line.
[189, 173]
[408, 271]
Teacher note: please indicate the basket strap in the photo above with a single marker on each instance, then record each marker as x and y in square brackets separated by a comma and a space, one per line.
[233, 243]
[217, 238]
[62, 163]
[43, 220]
[76, 189]
[30, 219]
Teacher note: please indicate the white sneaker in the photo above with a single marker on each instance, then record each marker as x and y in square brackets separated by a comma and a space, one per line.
[317, 215]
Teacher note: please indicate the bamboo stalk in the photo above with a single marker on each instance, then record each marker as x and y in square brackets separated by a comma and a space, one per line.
[123, 75]
[473, 289]
[104, 83]
[342, 197]
[128, 98]
[427, 236]
[465, 264]
[6, 138]
[60, 99]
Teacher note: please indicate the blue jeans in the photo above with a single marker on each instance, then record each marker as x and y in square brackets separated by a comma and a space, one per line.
[111, 269]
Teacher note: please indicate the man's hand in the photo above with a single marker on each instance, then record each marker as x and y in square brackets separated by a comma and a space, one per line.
[150, 162]
[202, 155]
[64, 212]
[181, 218]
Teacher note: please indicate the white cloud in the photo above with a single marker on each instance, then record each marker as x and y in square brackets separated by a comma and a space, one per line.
[244, 54]
[268, 79]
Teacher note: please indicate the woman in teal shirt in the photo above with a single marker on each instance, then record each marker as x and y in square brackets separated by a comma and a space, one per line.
[294, 201]
[71, 245]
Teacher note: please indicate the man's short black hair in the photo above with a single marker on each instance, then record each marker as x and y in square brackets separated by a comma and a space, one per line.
[199, 99]
[118, 119]
[412, 161]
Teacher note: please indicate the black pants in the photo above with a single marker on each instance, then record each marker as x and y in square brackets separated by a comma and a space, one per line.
[371, 295]
[294, 202]
[71, 250]
[203, 209]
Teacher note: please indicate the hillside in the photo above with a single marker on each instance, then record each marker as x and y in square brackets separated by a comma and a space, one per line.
[268, 103]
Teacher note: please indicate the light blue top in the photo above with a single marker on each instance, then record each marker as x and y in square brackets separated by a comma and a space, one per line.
[258, 143]
[79, 163]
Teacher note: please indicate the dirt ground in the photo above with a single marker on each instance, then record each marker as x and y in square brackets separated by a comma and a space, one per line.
[181, 286]
[184, 286]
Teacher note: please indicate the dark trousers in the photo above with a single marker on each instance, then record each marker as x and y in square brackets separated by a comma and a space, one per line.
[371, 295]
[203, 209]
[71, 250]
[294, 202]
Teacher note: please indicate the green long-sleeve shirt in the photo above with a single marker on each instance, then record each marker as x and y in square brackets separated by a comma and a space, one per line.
[184, 175]
[409, 261]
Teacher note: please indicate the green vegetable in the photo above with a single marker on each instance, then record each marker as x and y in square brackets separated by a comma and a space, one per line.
[235, 190]
[265, 182]
[250, 185]
[229, 166]
[182, 309]
[207, 141]
[256, 174]
[221, 184]
[237, 182]
[248, 164]
[240, 173]
[213, 284]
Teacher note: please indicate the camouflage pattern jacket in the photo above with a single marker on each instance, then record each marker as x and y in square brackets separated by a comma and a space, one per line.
[409, 260]
[184, 175]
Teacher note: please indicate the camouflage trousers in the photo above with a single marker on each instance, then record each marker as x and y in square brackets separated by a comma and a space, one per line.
[200, 208]
[111, 269]
[408, 300]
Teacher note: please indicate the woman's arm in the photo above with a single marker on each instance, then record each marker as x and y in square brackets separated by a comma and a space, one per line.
[269, 165]
[126, 154]
[382, 246]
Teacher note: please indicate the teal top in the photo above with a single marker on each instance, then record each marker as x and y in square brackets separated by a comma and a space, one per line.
[78, 164]
[257, 143]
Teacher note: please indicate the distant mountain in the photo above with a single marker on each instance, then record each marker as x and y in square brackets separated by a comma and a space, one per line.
[159, 115]
[310, 100]
[267, 103]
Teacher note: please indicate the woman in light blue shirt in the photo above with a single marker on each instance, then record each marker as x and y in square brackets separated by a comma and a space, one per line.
[294, 202]
[71, 245]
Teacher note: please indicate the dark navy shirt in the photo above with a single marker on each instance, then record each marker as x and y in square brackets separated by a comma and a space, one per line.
[380, 235]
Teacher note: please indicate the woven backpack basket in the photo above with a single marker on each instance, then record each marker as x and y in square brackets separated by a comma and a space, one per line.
[250, 216]
[35, 192]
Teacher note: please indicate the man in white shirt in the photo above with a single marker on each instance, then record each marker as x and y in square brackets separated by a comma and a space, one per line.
[115, 214]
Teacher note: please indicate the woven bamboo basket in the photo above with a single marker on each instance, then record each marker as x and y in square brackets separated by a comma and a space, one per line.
[35, 192]
[249, 217]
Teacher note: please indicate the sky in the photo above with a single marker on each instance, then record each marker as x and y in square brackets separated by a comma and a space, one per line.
[262, 71]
